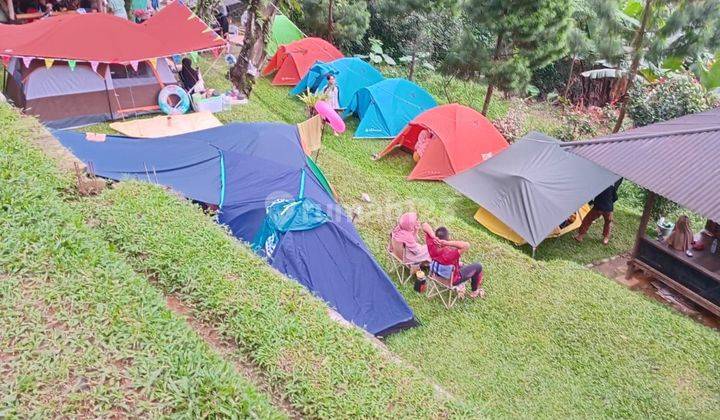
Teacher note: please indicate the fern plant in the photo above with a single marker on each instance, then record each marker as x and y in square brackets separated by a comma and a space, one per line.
[310, 99]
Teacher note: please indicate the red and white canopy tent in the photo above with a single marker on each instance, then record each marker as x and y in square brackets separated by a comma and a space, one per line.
[104, 38]
[51, 62]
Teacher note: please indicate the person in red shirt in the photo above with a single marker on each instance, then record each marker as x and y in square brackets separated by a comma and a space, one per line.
[445, 254]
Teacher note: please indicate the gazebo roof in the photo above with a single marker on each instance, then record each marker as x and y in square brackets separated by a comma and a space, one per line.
[677, 159]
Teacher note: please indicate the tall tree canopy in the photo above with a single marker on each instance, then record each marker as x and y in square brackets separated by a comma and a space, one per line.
[654, 36]
[419, 23]
[524, 35]
[341, 21]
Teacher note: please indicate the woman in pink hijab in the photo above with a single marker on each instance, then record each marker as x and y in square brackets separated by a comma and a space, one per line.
[405, 235]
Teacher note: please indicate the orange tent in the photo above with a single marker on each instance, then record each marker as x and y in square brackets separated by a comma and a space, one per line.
[448, 139]
[293, 61]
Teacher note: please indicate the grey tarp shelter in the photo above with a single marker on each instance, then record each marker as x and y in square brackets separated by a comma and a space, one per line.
[533, 186]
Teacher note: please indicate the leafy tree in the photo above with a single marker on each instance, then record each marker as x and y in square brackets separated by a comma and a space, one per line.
[526, 35]
[341, 21]
[205, 9]
[418, 20]
[670, 34]
[579, 45]
[678, 95]
[260, 17]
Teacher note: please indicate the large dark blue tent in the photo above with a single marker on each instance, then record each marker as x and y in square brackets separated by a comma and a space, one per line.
[248, 167]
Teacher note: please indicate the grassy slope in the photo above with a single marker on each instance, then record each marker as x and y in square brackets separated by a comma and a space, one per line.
[325, 370]
[553, 338]
[80, 333]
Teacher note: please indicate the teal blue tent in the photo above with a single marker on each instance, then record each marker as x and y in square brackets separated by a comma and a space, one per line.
[385, 108]
[351, 75]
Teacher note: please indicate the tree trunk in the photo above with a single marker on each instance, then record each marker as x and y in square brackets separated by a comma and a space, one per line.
[411, 68]
[570, 77]
[491, 86]
[488, 96]
[239, 73]
[205, 9]
[254, 32]
[330, 23]
[637, 47]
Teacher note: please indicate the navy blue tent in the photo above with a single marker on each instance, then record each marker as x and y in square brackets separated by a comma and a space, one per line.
[247, 167]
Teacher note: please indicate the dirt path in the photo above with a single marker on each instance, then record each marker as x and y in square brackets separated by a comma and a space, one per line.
[230, 352]
[616, 268]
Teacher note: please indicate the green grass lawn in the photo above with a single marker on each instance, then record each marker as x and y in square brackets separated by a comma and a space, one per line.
[81, 334]
[552, 338]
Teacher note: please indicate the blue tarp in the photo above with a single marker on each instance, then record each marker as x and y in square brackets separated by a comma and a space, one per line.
[188, 163]
[351, 75]
[385, 108]
[262, 163]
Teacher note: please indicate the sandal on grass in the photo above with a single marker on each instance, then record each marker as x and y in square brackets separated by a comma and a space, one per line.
[478, 293]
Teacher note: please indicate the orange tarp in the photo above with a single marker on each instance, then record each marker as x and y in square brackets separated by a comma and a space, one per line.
[167, 125]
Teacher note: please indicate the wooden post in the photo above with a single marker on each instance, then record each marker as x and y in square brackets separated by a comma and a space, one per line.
[644, 220]
[11, 10]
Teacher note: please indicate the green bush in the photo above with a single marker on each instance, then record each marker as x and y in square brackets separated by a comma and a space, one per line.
[669, 98]
[551, 78]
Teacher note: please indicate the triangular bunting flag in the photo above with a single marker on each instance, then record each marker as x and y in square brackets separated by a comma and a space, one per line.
[194, 56]
[26, 61]
[94, 65]
[177, 59]
[49, 62]
[153, 62]
[206, 30]
[134, 65]
[215, 53]
[71, 64]
[5, 60]
[192, 16]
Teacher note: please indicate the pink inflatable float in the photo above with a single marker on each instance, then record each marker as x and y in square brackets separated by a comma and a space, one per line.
[332, 117]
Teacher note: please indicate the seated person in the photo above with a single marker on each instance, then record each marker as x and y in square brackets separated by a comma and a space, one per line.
[191, 80]
[405, 235]
[445, 254]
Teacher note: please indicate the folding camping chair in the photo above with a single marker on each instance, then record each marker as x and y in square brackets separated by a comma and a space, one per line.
[397, 259]
[440, 286]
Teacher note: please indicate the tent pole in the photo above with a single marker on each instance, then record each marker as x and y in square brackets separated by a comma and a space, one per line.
[107, 92]
[533, 253]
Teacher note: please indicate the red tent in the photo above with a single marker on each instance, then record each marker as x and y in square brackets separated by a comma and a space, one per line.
[292, 61]
[104, 38]
[452, 137]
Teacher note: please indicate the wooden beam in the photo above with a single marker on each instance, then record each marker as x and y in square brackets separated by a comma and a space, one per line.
[644, 220]
[684, 291]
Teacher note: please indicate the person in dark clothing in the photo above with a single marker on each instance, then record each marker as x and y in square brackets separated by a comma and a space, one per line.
[190, 78]
[221, 14]
[602, 206]
[445, 255]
